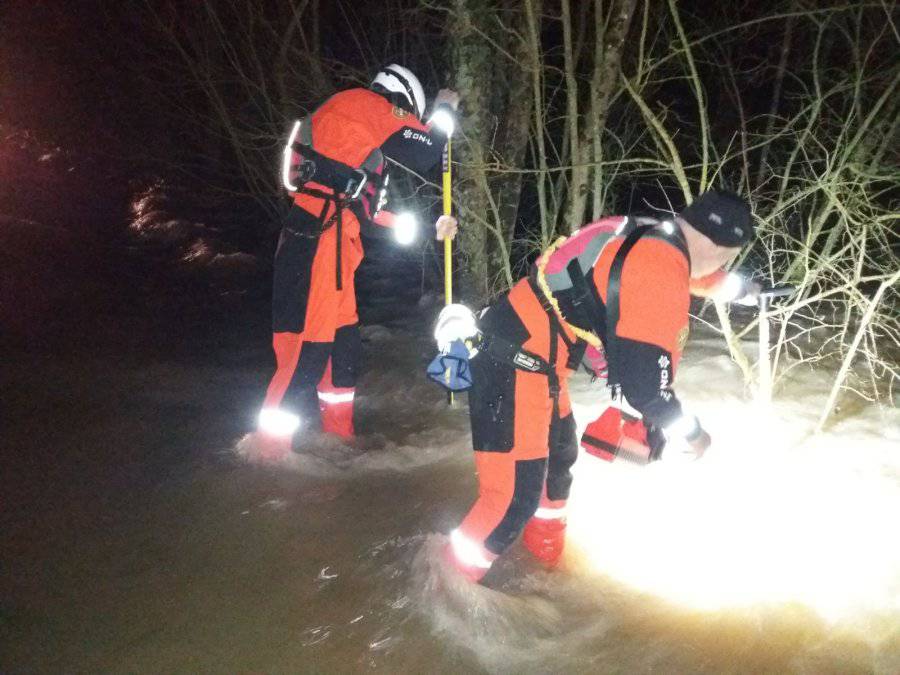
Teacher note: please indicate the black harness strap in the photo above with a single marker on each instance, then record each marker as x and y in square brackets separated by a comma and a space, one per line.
[340, 203]
[576, 348]
[576, 351]
[342, 179]
[553, 376]
[339, 231]
[613, 289]
[346, 185]
[548, 308]
[583, 302]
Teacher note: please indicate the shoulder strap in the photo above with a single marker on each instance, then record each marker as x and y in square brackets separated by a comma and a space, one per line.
[613, 288]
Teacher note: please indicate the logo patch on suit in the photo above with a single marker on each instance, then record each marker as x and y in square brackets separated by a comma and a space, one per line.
[400, 112]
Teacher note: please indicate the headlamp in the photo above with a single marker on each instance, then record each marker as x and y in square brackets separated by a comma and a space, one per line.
[406, 226]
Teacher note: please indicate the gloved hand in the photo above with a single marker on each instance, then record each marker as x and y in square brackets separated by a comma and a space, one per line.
[685, 439]
[751, 291]
[679, 449]
[455, 322]
[447, 97]
[737, 289]
[446, 226]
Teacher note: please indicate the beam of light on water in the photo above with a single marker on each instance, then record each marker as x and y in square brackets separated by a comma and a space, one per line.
[768, 518]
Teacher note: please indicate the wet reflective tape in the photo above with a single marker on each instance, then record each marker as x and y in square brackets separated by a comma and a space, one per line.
[467, 551]
[550, 512]
[333, 397]
[287, 159]
[277, 422]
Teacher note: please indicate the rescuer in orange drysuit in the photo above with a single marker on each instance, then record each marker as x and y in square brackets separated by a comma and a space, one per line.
[334, 169]
[616, 292]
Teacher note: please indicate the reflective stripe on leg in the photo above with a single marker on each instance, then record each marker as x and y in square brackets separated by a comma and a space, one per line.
[333, 397]
[278, 422]
[469, 552]
[550, 512]
[335, 405]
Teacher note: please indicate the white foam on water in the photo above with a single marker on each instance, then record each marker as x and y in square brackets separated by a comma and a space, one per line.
[774, 516]
[506, 632]
[327, 456]
[411, 426]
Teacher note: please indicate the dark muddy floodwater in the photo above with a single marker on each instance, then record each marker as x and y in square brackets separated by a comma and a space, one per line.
[136, 540]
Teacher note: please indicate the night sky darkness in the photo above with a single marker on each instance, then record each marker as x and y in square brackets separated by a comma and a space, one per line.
[84, 75]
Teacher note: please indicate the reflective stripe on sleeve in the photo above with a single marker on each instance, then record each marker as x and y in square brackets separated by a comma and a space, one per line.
[288, 156]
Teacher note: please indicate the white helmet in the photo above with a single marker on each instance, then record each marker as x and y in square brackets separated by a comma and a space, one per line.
[398, 79]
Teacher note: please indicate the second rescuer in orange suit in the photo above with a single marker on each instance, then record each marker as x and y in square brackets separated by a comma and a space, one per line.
[619, 287]
[314, 315]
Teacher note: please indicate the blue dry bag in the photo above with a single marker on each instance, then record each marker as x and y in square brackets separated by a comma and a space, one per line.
[451, 369]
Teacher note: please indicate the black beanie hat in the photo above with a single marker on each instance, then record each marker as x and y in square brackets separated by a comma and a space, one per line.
[723, 217]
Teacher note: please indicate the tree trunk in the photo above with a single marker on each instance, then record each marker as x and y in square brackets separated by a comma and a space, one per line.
[605, 78]
[513, 143]
[473, 65]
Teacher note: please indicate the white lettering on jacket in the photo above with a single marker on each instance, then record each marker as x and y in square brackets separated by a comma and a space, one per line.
[664, 378]
[417, 136]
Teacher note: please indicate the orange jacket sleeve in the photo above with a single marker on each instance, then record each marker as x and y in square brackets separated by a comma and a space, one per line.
[707, 286]
[653, 306]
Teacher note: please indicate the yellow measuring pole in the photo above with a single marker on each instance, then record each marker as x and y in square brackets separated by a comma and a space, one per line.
[448, 243]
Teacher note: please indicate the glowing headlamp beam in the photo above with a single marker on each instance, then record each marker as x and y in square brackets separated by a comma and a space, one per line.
[406, 226]
[278, 422]
[443, 119]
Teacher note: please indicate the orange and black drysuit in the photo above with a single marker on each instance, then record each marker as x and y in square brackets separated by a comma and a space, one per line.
[630, 276]
[340, 154]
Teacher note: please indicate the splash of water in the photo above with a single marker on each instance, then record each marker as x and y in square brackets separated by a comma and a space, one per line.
[507, 632]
